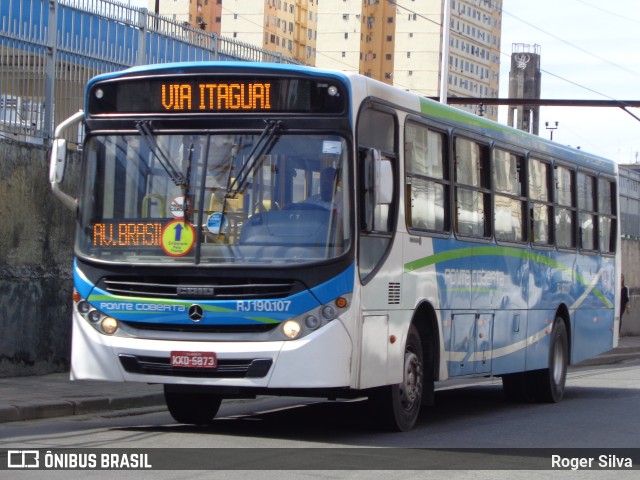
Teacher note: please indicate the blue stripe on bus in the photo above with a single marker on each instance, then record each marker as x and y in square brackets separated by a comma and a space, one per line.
[227, 312]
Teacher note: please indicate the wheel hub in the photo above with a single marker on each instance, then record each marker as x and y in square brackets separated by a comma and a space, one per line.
[412, 382]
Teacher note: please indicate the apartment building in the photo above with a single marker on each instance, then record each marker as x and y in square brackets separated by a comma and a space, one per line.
[400, 42]
[395, 41]
[202, 14]
[287, 27]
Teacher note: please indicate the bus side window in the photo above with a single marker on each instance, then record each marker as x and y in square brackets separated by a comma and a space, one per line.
[509, 203]
[587, 205]
[565, 211]
[427, 189]
[472, 192]
[540, 202]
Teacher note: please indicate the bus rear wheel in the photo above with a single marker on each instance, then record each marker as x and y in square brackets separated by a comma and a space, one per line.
[397, 406]
[548, 384]
[191, 405]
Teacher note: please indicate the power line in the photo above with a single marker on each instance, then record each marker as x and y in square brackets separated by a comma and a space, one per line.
[608, 12]
[573, 45]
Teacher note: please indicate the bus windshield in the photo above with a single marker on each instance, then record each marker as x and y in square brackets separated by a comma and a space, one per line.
[265, 197]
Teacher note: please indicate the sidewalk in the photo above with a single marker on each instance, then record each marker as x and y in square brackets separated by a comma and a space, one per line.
[54, 395]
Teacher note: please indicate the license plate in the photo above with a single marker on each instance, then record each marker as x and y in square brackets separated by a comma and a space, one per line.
[194, 359]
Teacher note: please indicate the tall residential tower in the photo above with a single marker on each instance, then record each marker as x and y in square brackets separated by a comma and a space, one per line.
[395, 41]
[400, 43]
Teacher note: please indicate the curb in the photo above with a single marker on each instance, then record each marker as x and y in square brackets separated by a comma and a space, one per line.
[41, 410]
[618, 355]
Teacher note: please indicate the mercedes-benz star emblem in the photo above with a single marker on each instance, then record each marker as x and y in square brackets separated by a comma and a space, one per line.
[196, 313]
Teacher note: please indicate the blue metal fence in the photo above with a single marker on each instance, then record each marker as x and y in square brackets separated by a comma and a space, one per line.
[43, 70]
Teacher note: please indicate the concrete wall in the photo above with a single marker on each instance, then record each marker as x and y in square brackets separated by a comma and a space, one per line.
[631, 272]
[36, 235]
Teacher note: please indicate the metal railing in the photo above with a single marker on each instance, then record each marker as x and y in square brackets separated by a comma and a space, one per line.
[43, 70]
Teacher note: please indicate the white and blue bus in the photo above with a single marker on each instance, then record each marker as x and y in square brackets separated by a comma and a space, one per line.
[262, 229]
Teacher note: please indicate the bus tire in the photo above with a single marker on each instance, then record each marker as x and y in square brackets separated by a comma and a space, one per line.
[396, 407]
[549, 384]
[189, 406]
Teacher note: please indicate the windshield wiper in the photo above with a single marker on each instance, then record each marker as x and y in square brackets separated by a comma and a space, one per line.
[144, 127]
[262, 147]
[187, 185]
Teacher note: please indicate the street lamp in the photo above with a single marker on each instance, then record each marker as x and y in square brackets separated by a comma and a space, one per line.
[546, 125]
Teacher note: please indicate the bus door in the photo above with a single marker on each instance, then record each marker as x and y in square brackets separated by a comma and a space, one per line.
[471, 344]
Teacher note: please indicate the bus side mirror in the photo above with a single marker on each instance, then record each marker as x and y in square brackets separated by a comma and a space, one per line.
[58, 160]
[383, 182]
[378, 187]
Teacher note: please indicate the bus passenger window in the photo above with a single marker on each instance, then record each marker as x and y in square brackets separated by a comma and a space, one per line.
[540, 198]
[509, 205]
[586, 206]
[606, 215]
[472, 188]
[427, 185]
[565, 214]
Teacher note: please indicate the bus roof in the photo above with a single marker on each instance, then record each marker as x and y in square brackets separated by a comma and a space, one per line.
[451, 116]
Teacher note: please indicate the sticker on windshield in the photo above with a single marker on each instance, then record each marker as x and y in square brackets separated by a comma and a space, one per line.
[216, 222]
[177, 207]
[178, 238]
[332, 147]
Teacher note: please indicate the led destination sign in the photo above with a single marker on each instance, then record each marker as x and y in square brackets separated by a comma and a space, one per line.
[212, 94]
[213, 97]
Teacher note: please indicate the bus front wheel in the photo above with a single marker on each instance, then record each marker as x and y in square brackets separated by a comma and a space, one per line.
[188, 405]
[397, 406]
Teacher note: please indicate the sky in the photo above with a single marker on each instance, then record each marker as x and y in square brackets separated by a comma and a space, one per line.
[589, 50]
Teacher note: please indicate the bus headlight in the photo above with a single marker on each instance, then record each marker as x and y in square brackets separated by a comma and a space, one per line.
[84, 307]
[312, 322]
[328, 312]
[109, 325]
[291, 329]
[94, 316]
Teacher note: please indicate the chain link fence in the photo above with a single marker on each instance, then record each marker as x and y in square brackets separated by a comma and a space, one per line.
[49, 49]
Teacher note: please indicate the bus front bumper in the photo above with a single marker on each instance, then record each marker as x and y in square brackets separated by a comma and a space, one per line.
[319, 360]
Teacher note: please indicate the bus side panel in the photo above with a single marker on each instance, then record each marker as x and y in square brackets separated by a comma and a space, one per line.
[509, 341]
[592, 333]
[539, 326]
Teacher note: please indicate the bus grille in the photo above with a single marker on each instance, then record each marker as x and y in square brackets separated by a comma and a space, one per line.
[236, 368]
[201, 288]
[199, 328]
